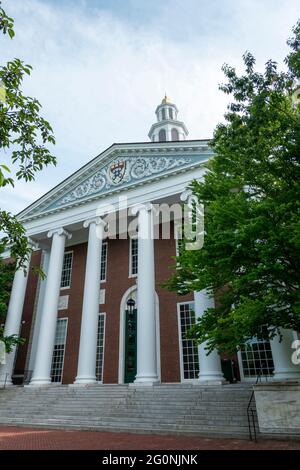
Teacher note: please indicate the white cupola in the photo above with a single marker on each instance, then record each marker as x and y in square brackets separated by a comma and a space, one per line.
[167, 128]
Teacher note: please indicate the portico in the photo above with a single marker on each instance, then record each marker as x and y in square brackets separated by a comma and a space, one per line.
[83, 228]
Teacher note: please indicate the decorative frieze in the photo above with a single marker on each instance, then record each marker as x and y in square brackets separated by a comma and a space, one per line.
[123, 171]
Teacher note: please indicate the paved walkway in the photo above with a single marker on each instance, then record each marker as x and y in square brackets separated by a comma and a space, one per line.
[14, 438]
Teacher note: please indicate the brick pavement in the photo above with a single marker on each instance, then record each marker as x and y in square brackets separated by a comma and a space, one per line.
[17, 438]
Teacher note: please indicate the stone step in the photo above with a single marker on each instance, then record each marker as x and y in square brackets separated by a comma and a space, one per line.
[124, 426]
[163, 408]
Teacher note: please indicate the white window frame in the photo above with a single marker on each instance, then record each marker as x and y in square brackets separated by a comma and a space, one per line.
[252, 378]
[65, 343]
[182, 379]
[104, 330]
[71, 270]
[106, 244]
[130, 256]
[177, 227]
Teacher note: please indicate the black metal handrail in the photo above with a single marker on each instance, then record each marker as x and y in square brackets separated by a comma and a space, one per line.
[251, 411]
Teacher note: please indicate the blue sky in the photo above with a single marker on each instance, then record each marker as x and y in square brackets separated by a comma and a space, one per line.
[100, 67]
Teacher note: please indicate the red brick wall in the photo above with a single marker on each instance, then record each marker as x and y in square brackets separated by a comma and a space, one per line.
[28, 312]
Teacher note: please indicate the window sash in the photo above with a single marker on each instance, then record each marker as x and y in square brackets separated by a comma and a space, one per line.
[58, 355]
[103, 272]
[256, 357]
[100, 347]
[189, 358]
[67, 270]
[133, 264]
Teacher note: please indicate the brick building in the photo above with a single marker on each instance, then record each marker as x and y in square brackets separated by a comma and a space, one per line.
[101, 315]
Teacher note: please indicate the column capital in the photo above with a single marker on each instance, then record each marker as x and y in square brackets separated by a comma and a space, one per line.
[147, 206]
[94, 220]
[60, 231]
[185, 195]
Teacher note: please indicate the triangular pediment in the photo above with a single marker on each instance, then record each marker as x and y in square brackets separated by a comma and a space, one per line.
[119, 168]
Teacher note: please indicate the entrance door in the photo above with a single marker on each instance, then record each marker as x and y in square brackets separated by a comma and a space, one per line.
[130, 346]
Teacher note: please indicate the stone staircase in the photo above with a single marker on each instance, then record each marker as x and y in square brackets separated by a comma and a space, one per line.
[163, 408]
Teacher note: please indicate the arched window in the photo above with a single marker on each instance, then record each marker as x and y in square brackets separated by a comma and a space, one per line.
[162, 135]
[171, 113]
[174, 133]
[163, 114]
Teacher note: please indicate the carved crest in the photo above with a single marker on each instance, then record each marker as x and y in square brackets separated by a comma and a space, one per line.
[116, 171]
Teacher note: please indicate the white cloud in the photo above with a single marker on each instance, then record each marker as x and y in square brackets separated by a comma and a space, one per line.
[100, 75]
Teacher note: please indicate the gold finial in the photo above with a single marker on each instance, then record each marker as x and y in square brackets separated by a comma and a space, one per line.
[166, 100]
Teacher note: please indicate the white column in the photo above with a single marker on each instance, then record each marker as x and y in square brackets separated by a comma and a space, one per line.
[86, 372]
[282, 356]
[44, 352]
[13, 319]
[146, 315]
[39, 309]
[209, 365]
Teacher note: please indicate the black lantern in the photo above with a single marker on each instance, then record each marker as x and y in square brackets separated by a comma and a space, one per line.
[130, 305]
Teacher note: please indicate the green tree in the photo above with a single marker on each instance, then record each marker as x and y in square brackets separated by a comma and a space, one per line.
[24, 136]
[251, 194]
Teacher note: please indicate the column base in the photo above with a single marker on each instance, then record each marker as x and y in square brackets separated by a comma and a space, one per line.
[144, 380]
[208, 378]
[40, 382]
[209, 382]
[85, 381]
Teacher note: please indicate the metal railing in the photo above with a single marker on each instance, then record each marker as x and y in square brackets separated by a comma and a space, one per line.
[251, 410]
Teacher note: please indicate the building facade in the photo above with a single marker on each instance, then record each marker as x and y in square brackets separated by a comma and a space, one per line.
[101, 314]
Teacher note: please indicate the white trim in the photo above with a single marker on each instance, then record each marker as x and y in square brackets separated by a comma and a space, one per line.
[182, 379]
[180, 344]
[104, 331]
[104, 280]
[177, 226]
[71, 269]
[130, 275]
[114, 151]
[65, 343]
[254, 377]
[241, 369]
[158, 189]
[121, 372]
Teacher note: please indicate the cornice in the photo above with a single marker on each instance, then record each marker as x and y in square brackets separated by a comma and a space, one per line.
[144, 150]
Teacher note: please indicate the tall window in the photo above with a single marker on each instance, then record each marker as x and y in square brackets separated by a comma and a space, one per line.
[163, 114]
[188, 348]
[162, 136]
[59, 350]
[67, 270]
[174, 133]
[171, 113]
[133, 262]
[103, 262]
[256, 357]
[100, 347]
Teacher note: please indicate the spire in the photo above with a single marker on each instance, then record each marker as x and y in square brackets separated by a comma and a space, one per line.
[167, 127]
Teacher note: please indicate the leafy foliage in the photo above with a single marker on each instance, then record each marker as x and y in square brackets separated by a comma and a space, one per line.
[24, 136]
[251, 194]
